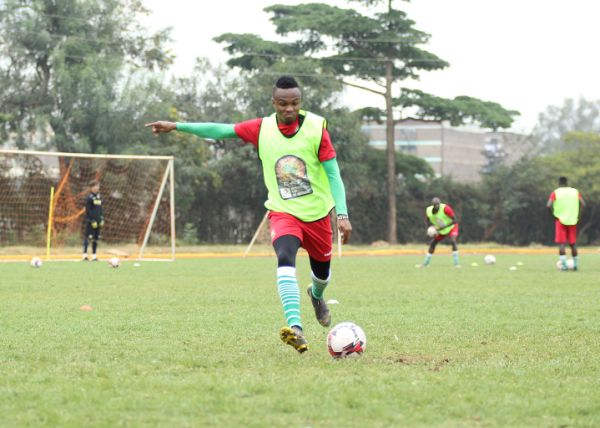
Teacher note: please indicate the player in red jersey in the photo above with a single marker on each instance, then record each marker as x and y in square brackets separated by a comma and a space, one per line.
[566, 204]
[442, 217]
[304, 183]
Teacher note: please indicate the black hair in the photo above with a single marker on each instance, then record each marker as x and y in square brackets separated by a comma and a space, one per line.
[286, 82]
[562, 181]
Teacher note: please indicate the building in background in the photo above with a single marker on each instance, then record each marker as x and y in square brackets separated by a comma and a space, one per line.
[461, 153]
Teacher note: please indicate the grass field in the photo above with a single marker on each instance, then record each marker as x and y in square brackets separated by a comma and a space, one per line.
[195, 343]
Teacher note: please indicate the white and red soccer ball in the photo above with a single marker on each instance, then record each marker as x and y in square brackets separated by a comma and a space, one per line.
[114, 262]
[432, 232]
[36, 262]
[570, 265]
[489, 259]
[346, 340]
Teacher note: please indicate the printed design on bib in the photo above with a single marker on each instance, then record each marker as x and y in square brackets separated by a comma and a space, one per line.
[292, 179]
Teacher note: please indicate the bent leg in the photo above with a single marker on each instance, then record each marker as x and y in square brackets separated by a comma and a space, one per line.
[321, 272]
[430, 251]
[321, 275]
[454, 250]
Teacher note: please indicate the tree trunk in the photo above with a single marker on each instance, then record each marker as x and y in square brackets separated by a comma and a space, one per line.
[391, 156]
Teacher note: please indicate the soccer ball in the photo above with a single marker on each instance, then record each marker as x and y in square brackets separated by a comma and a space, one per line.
[36, 262]
[570, 265]
[346, 340]
[489, 259]
[432, 231]
[114, 262]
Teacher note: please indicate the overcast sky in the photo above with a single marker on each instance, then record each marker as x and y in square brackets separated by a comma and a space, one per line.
[524, 54]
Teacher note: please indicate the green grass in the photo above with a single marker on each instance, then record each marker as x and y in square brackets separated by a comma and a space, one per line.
[195, 343]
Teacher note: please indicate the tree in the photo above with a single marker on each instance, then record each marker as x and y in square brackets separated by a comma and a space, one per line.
[573, 116]
[372, 53]
[512, 203]
[64, 66]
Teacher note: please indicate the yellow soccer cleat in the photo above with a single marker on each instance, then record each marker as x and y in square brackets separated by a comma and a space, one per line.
[294, 337]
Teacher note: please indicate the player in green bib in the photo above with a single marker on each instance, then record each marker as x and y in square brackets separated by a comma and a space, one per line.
[442, 217]
[304, 185]
[566, 204]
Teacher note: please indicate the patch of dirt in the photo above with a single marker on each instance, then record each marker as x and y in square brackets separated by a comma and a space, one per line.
[435, 364]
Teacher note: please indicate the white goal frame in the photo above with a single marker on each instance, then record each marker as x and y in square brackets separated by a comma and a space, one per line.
[169, 175]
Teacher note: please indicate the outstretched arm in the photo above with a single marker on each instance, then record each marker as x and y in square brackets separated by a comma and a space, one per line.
[339, 197]
[215, 131]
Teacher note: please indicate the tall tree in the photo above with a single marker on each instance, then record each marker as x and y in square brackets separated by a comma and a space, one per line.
[556, 122]
[63, 65]
[370, 52]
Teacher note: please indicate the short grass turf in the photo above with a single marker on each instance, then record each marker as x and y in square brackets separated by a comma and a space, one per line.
[195, 343]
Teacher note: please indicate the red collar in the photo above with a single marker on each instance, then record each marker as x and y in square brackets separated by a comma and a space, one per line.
[290, 129]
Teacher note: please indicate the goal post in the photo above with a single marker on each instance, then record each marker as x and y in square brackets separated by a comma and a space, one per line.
[155, 210]
[137, 193]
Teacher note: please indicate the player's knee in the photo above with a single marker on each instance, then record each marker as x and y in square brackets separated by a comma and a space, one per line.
[286, 248]
[286, 257]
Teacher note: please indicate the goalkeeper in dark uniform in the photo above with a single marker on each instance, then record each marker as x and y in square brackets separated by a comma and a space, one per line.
[94, 220]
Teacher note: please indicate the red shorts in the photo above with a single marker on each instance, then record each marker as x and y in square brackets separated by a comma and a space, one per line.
[564, 234]
[315, 237]
[453, 232]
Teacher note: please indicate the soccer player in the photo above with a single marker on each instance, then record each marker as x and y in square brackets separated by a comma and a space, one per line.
[442, 217]
[94, 220]
[304, 184]
[566, 204]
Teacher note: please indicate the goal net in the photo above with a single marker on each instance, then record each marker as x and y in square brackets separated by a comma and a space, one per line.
[42, 204]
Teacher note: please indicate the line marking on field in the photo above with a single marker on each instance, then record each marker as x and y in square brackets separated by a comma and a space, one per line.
[353, 252]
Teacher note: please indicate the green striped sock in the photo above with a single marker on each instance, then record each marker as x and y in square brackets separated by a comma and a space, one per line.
[319, 286]
[287, 285]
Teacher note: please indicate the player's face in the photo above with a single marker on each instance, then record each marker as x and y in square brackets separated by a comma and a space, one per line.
[96, 188]
[287, 103]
